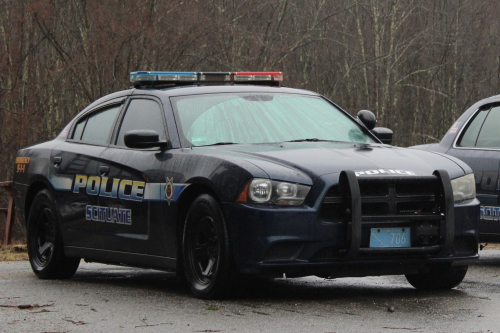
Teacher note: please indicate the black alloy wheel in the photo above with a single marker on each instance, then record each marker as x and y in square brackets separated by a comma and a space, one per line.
[44, 237]
[45, 244]
[206, 251]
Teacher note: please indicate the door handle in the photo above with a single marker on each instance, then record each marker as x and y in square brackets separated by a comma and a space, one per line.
[104, 170]
[57, 160]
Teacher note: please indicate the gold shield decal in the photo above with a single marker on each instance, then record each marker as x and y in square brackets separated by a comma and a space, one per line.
[169, 189]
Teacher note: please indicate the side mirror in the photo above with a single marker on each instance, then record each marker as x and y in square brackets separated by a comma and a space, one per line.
[144, 139]
[383, 134]
[367, 118]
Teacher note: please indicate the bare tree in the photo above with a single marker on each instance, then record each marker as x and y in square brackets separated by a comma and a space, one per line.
[417, 64]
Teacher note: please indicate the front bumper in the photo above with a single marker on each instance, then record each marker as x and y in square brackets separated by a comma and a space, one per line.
[277, 240]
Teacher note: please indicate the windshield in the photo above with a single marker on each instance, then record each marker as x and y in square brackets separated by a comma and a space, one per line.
[261, 118]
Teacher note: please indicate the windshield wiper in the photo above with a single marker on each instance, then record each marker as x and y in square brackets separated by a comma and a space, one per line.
[307, 140]
[219, 144]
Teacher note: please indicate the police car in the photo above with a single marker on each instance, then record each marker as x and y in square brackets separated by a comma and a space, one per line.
[474, 138]
[226, 176]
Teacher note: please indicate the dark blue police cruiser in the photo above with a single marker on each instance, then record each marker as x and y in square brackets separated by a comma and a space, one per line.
[475, 139]
[221, 176]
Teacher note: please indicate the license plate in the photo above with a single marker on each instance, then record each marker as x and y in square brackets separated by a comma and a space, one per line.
[390, 237]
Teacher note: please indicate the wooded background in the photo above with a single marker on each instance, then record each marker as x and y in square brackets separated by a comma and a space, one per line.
[416, 64]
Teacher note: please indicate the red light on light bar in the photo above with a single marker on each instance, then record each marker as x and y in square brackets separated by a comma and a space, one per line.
[258, 76]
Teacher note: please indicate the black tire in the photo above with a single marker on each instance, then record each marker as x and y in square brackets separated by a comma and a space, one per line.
[437, 279]
[45, 244]
[206, 250]
[180, 274]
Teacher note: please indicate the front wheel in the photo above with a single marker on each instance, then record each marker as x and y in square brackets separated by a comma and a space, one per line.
[437, 279]
[45, 244]
[206, 250]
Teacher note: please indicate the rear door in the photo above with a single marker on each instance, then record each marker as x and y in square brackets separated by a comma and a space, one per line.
[479, 146]
[74, 176]
[130, 173]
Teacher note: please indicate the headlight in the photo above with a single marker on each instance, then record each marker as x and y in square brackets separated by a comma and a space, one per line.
[272, 191]
[464, 188]
[260, 190]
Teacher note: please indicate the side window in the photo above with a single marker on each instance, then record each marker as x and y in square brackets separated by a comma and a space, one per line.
[490, 136]
[96, 127]
[471, 132]
[142, 114]
[77, 134]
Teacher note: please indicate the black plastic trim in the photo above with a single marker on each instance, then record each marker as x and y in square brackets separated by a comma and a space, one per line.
[449, 212]
[349, 186]
[119, 258]
[422, 249]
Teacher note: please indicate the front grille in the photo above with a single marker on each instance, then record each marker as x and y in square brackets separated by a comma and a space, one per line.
[370, 189]
[375, 208]
[416, 207]
[386, 196]
[332, 212]
[409, 188]
[414, 202]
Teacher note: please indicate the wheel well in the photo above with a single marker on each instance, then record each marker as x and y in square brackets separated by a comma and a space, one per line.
[186, 199]
[30, 196]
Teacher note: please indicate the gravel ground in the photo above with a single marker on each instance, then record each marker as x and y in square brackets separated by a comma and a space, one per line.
[103, 298]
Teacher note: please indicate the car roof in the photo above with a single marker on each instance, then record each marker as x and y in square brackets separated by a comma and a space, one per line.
[118, 94]
[214, 89]
[495, 98]
[194, 90]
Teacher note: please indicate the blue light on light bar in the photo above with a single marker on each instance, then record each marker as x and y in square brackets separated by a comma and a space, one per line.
[163, 76]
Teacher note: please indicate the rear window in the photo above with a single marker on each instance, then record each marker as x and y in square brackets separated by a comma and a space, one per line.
[96, 128]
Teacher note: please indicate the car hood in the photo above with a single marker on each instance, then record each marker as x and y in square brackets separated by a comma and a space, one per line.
[304, 162]
[428, 146]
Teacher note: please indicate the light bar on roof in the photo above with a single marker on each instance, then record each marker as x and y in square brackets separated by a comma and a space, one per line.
[215, 76]
[146, 77]
[258, 76]
[178, 77]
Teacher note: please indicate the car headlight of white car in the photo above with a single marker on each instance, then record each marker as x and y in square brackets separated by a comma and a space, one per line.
[464, 188]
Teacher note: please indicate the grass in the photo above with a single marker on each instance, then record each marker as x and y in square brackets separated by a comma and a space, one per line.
[212, 308]
[13, 252]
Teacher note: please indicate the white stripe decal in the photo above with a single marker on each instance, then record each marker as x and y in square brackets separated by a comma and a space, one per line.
[156, 191]
[60, 182]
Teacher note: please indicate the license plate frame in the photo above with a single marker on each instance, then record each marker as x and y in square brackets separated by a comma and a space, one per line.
[399, 237]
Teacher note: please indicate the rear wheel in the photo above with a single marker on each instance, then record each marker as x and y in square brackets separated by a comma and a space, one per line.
[437, 279]
[45, 245]
[206, 250]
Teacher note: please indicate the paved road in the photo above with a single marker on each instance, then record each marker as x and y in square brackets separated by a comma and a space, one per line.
[103, 298]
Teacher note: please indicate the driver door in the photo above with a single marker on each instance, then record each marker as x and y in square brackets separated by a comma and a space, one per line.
[128, 173]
